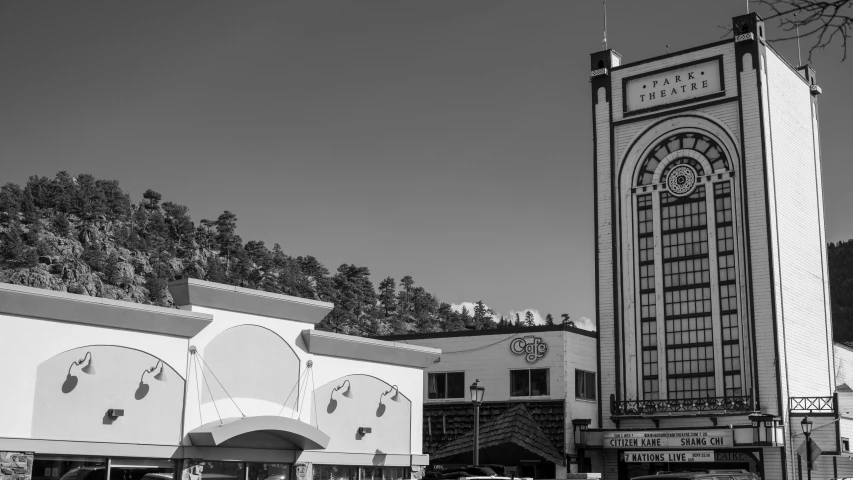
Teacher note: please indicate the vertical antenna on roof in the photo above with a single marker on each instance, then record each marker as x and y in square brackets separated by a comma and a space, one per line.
[799, 57]
[667, 49]
[604, 38]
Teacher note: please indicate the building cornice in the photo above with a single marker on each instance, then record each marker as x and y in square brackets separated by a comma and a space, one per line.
[99, 312]
[494, 331]
[190, 291]
[368, 349]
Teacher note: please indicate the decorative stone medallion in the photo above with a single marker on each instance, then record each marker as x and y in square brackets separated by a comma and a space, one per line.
[681, 180]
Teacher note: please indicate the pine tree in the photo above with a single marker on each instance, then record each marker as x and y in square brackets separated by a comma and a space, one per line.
[517, 321]
[465, 318]
[387, 296]
[528, 319]
[152, 199]
[549, 320]
[111, 269]
[566, 318]
[480, 315]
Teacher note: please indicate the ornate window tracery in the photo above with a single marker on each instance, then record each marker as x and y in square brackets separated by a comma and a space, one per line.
[696, 142]
[687, 222]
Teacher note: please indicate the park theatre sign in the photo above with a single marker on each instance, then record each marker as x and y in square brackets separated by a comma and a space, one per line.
[673, 86]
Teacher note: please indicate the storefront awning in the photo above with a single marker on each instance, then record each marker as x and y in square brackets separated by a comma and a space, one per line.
[259, 432]
[513, 434]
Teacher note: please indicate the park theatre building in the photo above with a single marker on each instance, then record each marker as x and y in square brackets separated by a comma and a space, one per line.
[712, 296]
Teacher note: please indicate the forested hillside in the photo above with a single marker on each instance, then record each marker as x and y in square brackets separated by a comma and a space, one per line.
[840, 258]
[84, 235]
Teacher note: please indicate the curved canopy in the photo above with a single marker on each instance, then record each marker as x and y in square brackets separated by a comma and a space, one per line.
[259, 432]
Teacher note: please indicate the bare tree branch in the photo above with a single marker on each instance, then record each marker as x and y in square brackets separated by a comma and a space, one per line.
[825, 21]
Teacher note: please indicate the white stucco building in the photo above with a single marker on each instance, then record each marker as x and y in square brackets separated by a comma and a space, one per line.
[236, 385]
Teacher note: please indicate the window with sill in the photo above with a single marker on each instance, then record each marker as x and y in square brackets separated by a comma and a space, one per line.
[845, 444]
[446, 385]
[584, 385]
[529, 383]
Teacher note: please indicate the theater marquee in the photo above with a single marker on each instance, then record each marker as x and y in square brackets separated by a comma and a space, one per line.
[670, 439]
[685, 83]
[669, 457]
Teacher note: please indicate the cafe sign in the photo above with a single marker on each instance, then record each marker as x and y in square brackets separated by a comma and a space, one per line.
[685, 456]
[673, 86]
[669, 439]
[533, 348]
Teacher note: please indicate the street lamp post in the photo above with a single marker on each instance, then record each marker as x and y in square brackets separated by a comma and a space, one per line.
[477, 392]
[807, 431]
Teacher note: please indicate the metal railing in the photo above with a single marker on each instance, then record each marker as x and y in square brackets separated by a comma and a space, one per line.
[811, 404]
[709, 404]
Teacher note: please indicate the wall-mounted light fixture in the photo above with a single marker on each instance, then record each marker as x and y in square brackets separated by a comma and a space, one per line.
[115, 412]
[364, 430]
[161, 375]
[88, 369]
[396, 396]
[347, 393]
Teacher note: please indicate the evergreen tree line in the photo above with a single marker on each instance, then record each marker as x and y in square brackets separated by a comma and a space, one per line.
[840, 261]
[157, 241]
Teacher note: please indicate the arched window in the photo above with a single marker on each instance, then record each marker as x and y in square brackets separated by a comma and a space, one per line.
[687, 296]
[682, 142]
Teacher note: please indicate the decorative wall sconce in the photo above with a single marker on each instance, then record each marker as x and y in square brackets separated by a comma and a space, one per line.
[160, 376]
[396, 396]
[364, 430]
[347, 393]
[70, 382]
[88, 369]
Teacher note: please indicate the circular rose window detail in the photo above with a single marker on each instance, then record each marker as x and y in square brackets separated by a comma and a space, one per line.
[681, 180]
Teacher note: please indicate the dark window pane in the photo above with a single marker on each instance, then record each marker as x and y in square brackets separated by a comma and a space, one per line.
[579, 384]
[456, 385]
[436, 385]
[590, 385]
[519, 383]
[539, 382]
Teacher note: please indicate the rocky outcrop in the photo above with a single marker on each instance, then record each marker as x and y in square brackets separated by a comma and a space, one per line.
[63, 266]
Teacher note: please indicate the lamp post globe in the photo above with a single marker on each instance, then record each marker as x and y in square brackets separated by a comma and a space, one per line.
[477, 393]
[806, 424]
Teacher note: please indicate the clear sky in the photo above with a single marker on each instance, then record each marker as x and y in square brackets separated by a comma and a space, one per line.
[448, 140]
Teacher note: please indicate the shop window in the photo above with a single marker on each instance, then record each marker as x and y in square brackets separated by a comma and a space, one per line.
[348, 472]
[845, 444]
[585, 385]
[446, 385]
[529, 383]
[268, 471]
[141, 469]
[53, 467]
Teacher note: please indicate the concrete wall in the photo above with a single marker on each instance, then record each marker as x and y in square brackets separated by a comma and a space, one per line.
[28, 348]
[325, 370]
[340, 417]
[70, 404]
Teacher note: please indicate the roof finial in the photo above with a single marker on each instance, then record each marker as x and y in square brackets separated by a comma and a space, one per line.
[604, 38]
